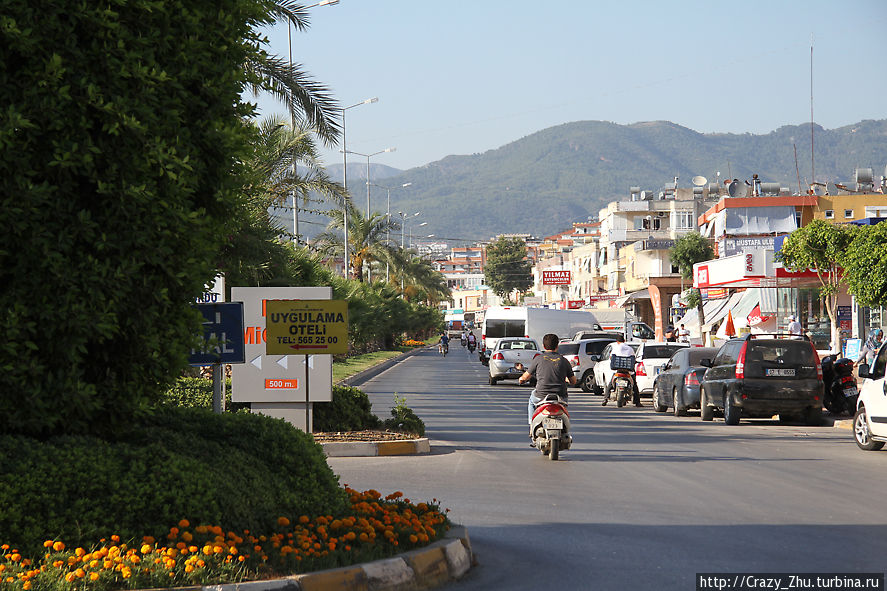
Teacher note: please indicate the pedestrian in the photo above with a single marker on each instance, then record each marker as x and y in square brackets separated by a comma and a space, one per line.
[871, 346]
[670, 335]
[794, 327]
[683, 333]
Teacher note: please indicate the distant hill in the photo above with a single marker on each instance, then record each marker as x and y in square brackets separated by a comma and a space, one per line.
[542, 183]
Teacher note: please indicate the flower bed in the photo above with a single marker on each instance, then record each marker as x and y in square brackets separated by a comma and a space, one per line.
[374, 528]
[413, 343]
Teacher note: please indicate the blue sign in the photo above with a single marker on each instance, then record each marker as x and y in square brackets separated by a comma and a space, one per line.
[852, 348]
[222, 335]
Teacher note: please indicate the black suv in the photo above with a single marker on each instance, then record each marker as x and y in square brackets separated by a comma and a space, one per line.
[759, 375]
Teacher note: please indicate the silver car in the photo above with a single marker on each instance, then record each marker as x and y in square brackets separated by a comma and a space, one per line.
[511, 357]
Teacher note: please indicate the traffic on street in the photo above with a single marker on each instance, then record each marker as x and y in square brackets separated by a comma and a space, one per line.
[641, 500]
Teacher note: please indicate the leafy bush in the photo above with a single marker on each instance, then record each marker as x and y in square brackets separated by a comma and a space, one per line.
[350, 410]
[241, 470]
[121, 132]
[404, 420]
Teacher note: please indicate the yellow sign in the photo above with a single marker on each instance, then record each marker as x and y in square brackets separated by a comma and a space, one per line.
[306, 327]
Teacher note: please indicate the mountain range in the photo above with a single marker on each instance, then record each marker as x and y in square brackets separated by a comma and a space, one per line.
[543, 182]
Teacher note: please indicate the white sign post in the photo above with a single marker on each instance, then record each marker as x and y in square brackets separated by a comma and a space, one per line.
[278, 385]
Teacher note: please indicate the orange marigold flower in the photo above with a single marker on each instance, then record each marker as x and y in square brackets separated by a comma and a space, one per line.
[184, 523]
[283, 521]
[146, 549]
[47, 543]
[115, 538]
[187, 536]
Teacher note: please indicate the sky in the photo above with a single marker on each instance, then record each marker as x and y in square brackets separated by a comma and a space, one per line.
[463, 77]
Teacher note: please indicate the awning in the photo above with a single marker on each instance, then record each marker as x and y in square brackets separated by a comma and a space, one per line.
[643, 294]
[731, 304]
[691, 318]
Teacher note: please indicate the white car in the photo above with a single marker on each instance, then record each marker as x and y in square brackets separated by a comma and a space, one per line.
[511, 357]
[870, 421]
[603, 375]
[582, 355]
[650, 358]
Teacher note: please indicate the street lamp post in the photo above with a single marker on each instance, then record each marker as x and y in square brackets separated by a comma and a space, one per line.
[345, 176]
[411, 233]
[388, 219]
[368, 156]
[289, 34]
[403, 220]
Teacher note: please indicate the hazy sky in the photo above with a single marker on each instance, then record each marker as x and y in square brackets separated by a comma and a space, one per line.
[462, 77]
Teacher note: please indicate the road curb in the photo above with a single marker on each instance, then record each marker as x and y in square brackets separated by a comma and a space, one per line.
[443, 561]
[845, 424]
[401, 447]
[375, 370]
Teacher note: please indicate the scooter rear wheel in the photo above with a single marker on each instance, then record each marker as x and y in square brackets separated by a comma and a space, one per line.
[554, 448]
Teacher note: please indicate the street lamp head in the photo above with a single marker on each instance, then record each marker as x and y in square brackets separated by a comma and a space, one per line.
[375, 99]
[406, 184]
[423, 224]
[394, 149]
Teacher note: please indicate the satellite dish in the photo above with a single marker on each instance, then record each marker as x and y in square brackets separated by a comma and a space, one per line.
[831, 188]
[737, 189]
[699, 180]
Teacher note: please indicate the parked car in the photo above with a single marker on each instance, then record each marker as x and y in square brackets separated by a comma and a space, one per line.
[511, 357]
[760, 375]
[583, 355]
[603, 375]
[870, 421]
[650, 357]
[677, 385]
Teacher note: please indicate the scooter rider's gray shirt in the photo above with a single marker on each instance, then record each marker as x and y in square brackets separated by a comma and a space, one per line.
[551, 371]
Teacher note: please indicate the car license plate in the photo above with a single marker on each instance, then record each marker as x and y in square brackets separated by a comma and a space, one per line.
[780, 372]
[658, 369]
[850, 391]
[622, 383]
[550, 423]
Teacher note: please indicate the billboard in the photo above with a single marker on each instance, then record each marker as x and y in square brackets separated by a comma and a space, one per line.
[555, 277]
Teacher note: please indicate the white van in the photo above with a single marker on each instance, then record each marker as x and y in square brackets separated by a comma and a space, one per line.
[531, 323]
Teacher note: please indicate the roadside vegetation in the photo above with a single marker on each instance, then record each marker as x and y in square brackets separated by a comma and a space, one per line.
[124, 192]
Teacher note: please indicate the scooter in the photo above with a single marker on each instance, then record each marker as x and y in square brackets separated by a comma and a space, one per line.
[464, 340]
[472, 345]
[840, 386]
[622, 383]
[551, 426]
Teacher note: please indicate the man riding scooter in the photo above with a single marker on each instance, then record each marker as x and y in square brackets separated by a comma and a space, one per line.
[620, 349]
[552, 371]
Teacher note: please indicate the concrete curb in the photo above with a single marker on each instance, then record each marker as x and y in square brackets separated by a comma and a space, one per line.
[370, 373]
[441, 562]
[845, 424]
[401, 447]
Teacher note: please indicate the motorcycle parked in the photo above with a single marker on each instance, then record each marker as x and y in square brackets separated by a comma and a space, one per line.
[840, 386]
[551, 426]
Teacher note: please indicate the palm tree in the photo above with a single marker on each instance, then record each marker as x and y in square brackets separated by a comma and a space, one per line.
[420, 280]
[288, 162]
[366, 238]
[310, 103]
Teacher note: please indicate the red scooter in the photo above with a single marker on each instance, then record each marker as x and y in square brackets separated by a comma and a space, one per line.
[551, 426]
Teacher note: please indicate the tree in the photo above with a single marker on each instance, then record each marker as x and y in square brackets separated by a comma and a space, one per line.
[123, 141]
[865, 265]
[821, 246]
[310, 103]
[507, 268]
[367, 238]
[687, 251]
[422, 283]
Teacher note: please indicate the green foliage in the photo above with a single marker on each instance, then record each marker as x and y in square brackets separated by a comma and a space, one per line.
[865, 265]
[122, 127]
[403, 419]
[820, 246]
[175, 465]
[507, 268]
[350, 410]
[688, 250]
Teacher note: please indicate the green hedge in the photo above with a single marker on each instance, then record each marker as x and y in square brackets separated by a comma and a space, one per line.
[350, 410]
[240, 471]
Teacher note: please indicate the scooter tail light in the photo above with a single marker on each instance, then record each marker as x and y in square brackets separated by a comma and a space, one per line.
[740, 362]
[639, 369]
[691, 379]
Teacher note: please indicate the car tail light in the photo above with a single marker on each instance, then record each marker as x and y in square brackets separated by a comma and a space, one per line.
[574, 361]
[691, 379]
[816, 361]
[639, 369]
[498, 357]
[740, 362]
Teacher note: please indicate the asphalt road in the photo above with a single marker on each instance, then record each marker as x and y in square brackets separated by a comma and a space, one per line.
[641, 501]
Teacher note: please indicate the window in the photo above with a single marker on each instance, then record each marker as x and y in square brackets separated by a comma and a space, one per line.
[829, 214]
[683, 220]
[848, 213]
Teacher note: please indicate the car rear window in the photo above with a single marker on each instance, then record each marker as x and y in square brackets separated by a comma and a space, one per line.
[697, 354]
[568, 348]
[497, 329]
[779, 355]
[660, 351]
[596, 347]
